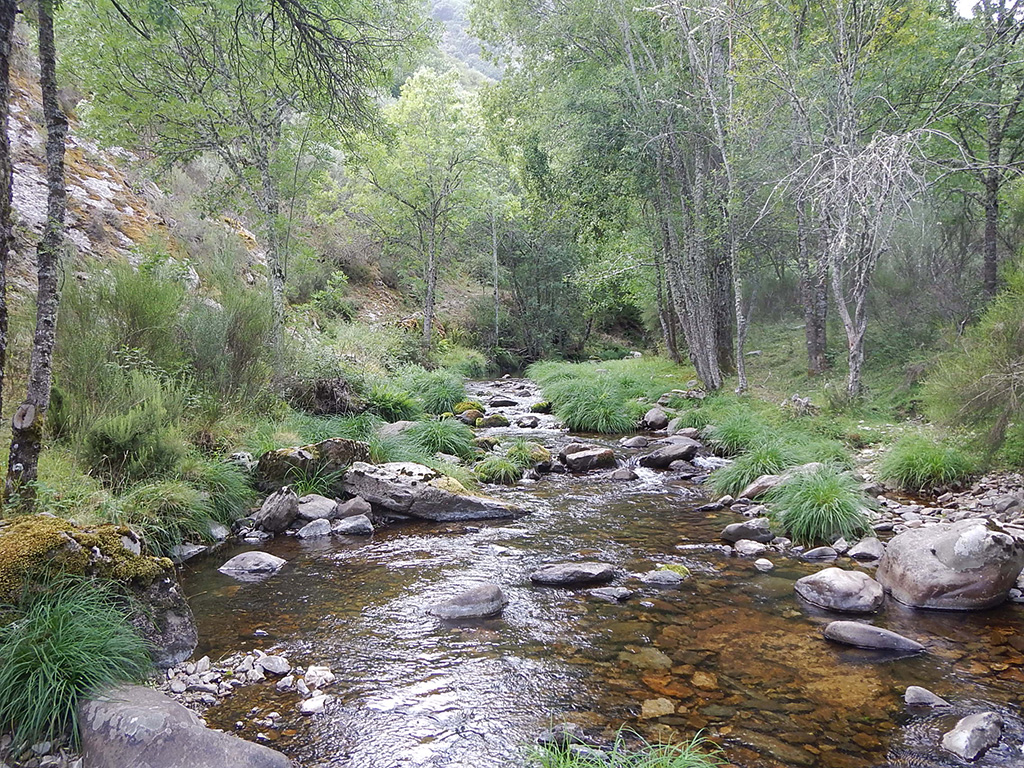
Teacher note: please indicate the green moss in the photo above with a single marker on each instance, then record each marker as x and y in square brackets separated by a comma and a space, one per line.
[42, 543]
[682, 570]
[468, 405]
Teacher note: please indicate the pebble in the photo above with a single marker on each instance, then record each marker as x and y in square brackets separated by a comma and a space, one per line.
[764, 565]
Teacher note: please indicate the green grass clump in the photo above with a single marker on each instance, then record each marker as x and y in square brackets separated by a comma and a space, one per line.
[392, 403]
[441, 436]
[916, 463]
[498, 469]
[766, 459]
[696, 753]
[597, 406]
[226, 485]
[437, 391]
[315, 480]
[525, 453]
[165, 513]
[68, 640]
[819, 507]
[738, 432]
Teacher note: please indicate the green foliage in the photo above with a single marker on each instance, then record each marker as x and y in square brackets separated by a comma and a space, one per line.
[226, 485]
[981, 380]
[736, 433]
[768, 458]
[697, 753]
[315, 480]
[392, 403]
[69, 639]
[437, 391]
[917, 463]
[166, 513]
[525, 453]
[441, 436]
[331, 300]
[1011, 453]
[592, 407]
[498, 469]
[820, 506]
[466, 362]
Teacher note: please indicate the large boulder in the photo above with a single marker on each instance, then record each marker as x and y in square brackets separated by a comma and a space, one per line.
[973, 735]
[755, 529]
[316, 507]
[250, 565]
[412, 489]
[136, 726]
[654, 419]
[39, 544]
[279, 510]
[568, 574]
[765, 483]
[867, 636]
[584, 461]
[680, 449]
[839, 590]
[354, 525]
[477, 603]
[962, 566]
[285, 465]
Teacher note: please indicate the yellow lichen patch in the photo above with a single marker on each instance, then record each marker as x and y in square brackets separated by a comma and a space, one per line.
[42, 543]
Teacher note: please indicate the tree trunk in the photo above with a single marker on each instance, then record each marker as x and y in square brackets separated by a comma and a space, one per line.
[270, 203]
[494, 262]
[990, 275]
[428, 301]
[8, 14]
[27, 425]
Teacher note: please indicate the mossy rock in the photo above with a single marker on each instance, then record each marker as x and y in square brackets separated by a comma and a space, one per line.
[42, 543]
[544, 406]
[494, 420]
[539, 454]
[286, 465]
[682, 570]
[486, 443]
[468, 405]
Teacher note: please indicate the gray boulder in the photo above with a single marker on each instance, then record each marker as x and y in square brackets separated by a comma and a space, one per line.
[136, 726]
[749, 548]
[639, 441]
[821, 553]
[279, 510]
[316, 507]
[623, 474]
[418, 491]
[352, 507]
[611, 594]
[680, 449]
[315, 529]
[662, 577]
[839, 590]
[916, 696]
[477, 603]
[765, 483]
[253, 563]
[276, 468]
[567, 574]
[973, 735]
[355, 525]
[654, 419]
[755, 529]
[181, 553]
[962, 566]
[165, 622]
[866, 636]
[584, 461]
[572, 448]
[867, 549]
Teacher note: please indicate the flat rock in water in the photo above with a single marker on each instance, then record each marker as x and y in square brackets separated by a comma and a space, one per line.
[962, 566]
[839, 590]
[572, 448]
[568, 574]
[917, 696]
[477, 603]
[252, 563]
[866, 636]
[682, 449]
[867, 549]
[623, 474]
[611, 594]
[133, 725]
[180, 553]
[274, 665]
[821, 553]
[749, 548]
[756, 529]
[973, 735]
[634, 442]
[316, 507]
[584, 461]
[356, 525]
[662, 577]
[315, 529]
[502, 402]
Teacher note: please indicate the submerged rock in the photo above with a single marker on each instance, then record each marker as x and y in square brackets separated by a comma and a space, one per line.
[973, 735]
[567, 574]
[611, 594]
[867, 636]
[962, 566]
[250, 563]
[839, 590]
[756, 529]
[477, 603]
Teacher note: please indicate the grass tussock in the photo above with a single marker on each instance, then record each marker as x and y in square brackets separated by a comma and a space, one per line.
[769, 458]
[441, 436]
[917, 463]
[498, 469]
[68, 638]
[816, 508]
[638, 753]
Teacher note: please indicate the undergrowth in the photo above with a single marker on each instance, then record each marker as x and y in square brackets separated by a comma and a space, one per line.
[818, 507]
[917, 463]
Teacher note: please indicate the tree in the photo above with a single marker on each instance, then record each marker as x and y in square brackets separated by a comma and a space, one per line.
[254, 82]
[8, 14]
[418, 190]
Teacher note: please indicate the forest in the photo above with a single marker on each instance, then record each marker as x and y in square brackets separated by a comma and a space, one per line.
[473, 381]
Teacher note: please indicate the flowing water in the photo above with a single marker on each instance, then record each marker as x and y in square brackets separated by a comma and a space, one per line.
[732, 650]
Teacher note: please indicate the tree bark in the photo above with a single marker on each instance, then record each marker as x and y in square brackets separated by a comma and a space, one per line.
[28, 422]
[494, 263]
[428, 300]
[990, 268]
[8, 14]
[813, 292]
[270, 203]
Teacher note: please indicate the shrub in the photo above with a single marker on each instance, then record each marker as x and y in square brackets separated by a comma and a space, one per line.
[466, 362]
[916, 463]
[441, 436]
[226, 485]
[697, 753]
[819, 507]
[766, 459]
[437, 391]
[498, 469]
[392, 403]
[166, 513]
[68, 640]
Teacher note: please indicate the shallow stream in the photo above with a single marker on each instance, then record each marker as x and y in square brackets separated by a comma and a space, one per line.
[733, 650]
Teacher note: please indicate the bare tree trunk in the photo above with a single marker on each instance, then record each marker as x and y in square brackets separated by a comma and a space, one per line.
[494, 263]
[8, 14]
[27, 425]
[270, 203]
[428, 301]
[990, 268]
[813, 292]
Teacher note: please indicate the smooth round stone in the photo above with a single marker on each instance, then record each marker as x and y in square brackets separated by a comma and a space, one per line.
[839, 590]
[973, 735]
[867, 636]
[252, 563]
[662, 577]
[821, 553]
[611, 594]
[567, 574]
[476, 603]
[748, 548]
[764, 565]
[917, 696]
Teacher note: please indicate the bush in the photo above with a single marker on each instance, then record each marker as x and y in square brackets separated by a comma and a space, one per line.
[392, 403]
[916, 463]
[437, 391]
[441, 436]
[498, 469]
[697, 753]
[466, 362]
[819, 507]
[68, 640]
[767, 459]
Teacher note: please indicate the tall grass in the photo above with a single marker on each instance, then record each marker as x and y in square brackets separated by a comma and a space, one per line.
[597, 406]
[437, 391]
[441, 436]
[69, 639]
[736, 433]
[392, 403]
[165, 513]
[916, 463]
[498, 469]
[769, 458]
[696, 753]
[819, 507]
